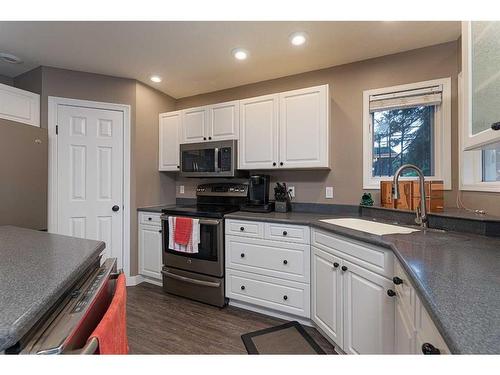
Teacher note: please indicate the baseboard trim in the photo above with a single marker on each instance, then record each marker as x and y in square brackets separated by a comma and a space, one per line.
[138, 279]
[270, 312]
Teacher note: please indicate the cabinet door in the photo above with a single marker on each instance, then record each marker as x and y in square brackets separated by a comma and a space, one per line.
[368, 312]
[224, 121]
[150, 251]
[258, 146]
[304, 128]
[194, 125]
[327, 294]
[480, 67]
[404, 333]
[170, 124]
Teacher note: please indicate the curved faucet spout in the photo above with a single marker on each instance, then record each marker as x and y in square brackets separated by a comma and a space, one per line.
[422, 210]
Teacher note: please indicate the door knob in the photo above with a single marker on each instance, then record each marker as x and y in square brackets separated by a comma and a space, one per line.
[274, 164]
[285, 261]
[285, 297]
[285, 233]
[243, 287]
[428, 348]
[495, 126]
[242, 255]
[391, 293]
[336, 265]
[115, 208]
[397, 280]
[344, 268]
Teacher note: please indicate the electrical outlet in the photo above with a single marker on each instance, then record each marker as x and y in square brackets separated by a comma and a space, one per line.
[291, 190]
[329, 192]
[181, 189]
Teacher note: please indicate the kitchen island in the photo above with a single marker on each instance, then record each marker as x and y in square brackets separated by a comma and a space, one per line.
[36, 270]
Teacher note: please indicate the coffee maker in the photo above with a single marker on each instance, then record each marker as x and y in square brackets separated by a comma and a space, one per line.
[258, 194]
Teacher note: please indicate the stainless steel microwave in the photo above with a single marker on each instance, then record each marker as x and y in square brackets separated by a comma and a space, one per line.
[209, 159]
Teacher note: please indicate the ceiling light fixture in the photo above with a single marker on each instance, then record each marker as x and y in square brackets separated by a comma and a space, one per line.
[240, 54]
[10, 58]
[155, 79]
[298, 38]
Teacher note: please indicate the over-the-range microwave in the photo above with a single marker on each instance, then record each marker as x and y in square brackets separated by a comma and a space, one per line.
[209, 159]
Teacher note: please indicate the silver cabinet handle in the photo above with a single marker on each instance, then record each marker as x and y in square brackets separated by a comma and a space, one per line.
[190, 280]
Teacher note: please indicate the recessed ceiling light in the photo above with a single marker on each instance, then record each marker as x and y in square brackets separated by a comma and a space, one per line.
[10, 58]
[156, 79]
[240, 54]
[298, 38]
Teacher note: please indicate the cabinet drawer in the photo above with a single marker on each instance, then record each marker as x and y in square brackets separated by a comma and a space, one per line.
[427, 331]
[283, 260]
[281, 295]
[288, 233]
[150, 218]
[245, 228]
[373, 258]
[405, 292]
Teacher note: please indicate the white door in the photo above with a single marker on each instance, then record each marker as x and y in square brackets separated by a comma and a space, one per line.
[327, 294]
[170, 125]
[224, 121]
[403, 332]
[194, 125]
[150, 251]
[90, 176]
[258, 145]
[368, 312]
[303, 128]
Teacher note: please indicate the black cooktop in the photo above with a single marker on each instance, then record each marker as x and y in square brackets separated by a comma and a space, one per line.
[201, 210]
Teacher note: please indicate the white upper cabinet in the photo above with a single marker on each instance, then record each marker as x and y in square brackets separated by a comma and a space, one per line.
[258, 145]
[481, 72]
[194, 125]
[224, 121]
[169, 137]
[19, 105]
[303, 128]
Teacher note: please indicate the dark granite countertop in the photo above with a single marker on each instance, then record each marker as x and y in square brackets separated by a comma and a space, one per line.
[457, 276]
[156, 209]
[36, 269]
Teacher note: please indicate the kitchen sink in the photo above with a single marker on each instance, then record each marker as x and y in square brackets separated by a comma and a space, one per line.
[372, 227]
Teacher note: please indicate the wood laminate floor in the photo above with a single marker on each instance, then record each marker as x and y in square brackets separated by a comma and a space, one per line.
[160, 323]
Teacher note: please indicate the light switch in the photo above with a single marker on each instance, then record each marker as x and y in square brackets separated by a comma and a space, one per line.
[181, 189]
[329, 192]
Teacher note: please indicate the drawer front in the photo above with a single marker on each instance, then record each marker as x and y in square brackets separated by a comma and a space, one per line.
[280, 295]
[287, 233]
[373, 258]
[149, 218]
[271, 258]
[405, 292]
[245, 228]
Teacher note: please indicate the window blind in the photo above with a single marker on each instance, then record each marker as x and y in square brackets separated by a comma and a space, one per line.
[404, 99]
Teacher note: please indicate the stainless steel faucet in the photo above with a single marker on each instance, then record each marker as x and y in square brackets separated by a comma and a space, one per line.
[421, 218]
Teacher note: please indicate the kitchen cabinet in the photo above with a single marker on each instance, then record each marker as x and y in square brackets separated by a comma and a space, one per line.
[224, 121]
[150, 240]
[169, 137]
[19, 105]
[480, 69]
[285, 130]
[194, 125]
[304, 128]
[258, 144]
[404, 332]
[326, 299]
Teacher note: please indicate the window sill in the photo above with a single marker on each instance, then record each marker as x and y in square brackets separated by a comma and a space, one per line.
[374, 184]
[492, 187]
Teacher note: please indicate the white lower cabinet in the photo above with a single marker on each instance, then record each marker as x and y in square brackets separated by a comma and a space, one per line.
[404, 332]
[150, 238]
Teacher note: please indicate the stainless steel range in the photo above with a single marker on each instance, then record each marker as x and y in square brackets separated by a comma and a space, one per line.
[200, 276]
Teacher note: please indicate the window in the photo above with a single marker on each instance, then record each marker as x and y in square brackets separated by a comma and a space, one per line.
[407, 124]
[479, 169]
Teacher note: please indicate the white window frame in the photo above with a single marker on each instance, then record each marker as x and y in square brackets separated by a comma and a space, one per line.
[442, 134]
[470, 163]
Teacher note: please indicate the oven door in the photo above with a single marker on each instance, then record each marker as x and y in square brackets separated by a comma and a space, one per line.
[210, 257]
[208, 159]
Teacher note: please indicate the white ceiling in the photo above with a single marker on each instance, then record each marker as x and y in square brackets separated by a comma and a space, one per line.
[195, 57]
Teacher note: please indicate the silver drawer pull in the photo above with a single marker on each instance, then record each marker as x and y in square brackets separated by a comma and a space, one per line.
[190, 280]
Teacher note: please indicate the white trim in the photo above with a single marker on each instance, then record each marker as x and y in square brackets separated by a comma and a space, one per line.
[270, 312]
[53, 103]
[442, 130]
[470, 176]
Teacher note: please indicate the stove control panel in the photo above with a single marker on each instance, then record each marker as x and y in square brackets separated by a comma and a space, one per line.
[223, 189]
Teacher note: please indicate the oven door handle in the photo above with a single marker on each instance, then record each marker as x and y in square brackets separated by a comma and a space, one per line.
[190, 280]
[217, 166]
[209, 222]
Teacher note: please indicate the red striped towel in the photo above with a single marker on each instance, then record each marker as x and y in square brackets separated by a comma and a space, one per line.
[183, 230]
